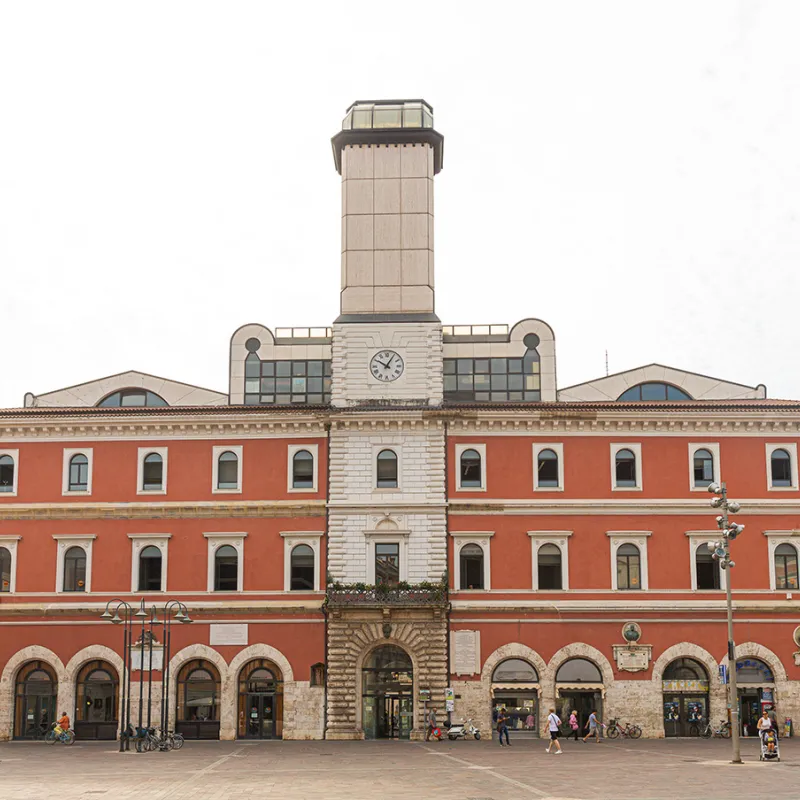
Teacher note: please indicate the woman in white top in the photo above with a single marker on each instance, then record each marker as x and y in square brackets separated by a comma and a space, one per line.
[764, 724]
[554, 723]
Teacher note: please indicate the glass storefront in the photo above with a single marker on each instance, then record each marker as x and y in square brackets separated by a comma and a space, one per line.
[35, 702]
[515, 684]
[579, 688]
[685, 696]
[756, 685]
[387, 694]
[198, 701]
[260, 701]
[96, 701]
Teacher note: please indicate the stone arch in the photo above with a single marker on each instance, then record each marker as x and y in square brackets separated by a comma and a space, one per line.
[34, 652]
[92, 653]
[753, 650]
[684, 650]
[190, 653]
[260, 650]
[513, 650]
[579, 650]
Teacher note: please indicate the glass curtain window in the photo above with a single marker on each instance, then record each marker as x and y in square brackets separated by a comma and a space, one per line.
[387, 563]
[226, 569]
[549, 567]
[152, 472]
[471, 565]
[150, 569]
[470, 467]
[781, 466]
[578, 670]
[97, 688]
[653, 391]
[78, 473]
[6, 474]
[198, 692]
[785, 567]
[132, 398]
[75, 570]
[228, 471]
[706, 569]
[5, 569]
[547, 468]
[302, 470]
[387, 469]
[703, 468]
[515, 670]
[625, 468]
[302, 569]
[628, 567]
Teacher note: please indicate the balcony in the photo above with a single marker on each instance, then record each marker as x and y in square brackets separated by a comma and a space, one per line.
[345, 595]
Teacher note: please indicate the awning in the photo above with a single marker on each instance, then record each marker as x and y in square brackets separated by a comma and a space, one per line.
[512, 687]
[580, 687]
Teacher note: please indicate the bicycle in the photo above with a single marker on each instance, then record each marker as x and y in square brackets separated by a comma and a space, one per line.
[615, 730]
[707, 730]
[58, 734]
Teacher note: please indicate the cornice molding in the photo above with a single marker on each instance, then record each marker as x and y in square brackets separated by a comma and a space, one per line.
[595, 507]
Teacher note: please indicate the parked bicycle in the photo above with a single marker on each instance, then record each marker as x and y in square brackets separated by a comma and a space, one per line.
[706, 730]
[58, 734]
[629, 731]
[150, 739]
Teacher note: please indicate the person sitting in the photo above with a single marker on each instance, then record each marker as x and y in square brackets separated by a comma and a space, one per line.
[63, 722]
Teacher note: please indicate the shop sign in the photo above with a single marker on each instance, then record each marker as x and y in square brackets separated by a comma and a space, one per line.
[766, 696]
[424, 695]
[723, 673]
[449, 699]
[685, 686]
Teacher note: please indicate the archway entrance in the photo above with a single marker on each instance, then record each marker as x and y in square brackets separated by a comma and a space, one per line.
[579, 687]
[685, 695]
[756, 685]
[35, 707]
[198, 701]
[387, 694]
[260, 701]
[96, 701]
[515, 687]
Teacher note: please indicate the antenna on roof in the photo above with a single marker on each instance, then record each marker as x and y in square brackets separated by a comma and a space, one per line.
[606, 363]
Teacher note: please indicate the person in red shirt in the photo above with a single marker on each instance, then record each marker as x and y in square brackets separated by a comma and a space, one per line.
[63, 723]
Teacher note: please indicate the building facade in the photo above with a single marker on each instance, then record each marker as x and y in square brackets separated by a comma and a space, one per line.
[391, 514]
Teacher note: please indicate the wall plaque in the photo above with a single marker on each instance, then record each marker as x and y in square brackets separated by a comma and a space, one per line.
[465, 647]
[632, 657]
[224, 633]
[158, 659]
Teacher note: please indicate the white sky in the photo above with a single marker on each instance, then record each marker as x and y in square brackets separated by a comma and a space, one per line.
[627, 171]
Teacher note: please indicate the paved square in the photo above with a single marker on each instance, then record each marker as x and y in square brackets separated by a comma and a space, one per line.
[657, 769]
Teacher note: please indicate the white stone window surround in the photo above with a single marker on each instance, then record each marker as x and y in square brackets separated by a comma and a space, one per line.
[558, 449]
[397, 449]
[143, 453]
[10, 543]
[215, 541]
[639, 538]
[69, 452]
[791, 449]
[216, 452]
[636, 449]
[296, 448]
[561, 540]
[484, 540]
[713, 448]
[480, 449]
[64, 543]
[385, 536]
[700, 539]
[292, 539]
[774, 539]
[15, 456]
[138, 542]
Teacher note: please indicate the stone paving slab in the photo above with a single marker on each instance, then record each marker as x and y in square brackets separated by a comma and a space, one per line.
[641, 770]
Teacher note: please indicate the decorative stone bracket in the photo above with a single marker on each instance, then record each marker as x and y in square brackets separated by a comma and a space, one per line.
[633, 657]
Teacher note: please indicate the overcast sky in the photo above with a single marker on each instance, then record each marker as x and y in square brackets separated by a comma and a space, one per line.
[627, 171]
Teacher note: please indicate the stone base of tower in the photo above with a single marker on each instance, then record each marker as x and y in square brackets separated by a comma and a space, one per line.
[355, 631]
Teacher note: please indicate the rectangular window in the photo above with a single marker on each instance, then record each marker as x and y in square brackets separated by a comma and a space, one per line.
[296, 381]
[476, 380]
[387, 563]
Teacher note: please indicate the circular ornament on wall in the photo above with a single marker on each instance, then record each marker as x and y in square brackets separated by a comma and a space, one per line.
[631, 632]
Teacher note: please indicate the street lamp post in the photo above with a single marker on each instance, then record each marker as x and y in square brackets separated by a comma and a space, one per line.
[182, 615]
[721, 551]
[127, 627]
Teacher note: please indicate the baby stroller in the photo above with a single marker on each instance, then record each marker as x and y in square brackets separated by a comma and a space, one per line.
[769, 746]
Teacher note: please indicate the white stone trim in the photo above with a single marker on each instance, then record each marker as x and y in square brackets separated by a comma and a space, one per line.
[639, 538]
[290, 452]
[142, 454]
[69, 452]
[10, 543]
[484, 540]
[696, 539]
[481, 450]
[385, 536]
[791, 449]
[775, 538]
[64, 543]
[713, 448]
[561, 540]
[397, 449]
[558, 449]
[290, 540]
[15, 456]
[138, 542]
[216, 452]
[217, 540]
[636, 449]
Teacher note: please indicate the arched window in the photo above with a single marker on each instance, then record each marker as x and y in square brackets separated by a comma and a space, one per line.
[549, 566]
[260, 700]
[302, 470]
[386, 469]
[228, 470]
[786, 567]
[302, 569]
[78, 473]
[628, 567]
[703, 468]
[226, 569]
[625, 462]
[781, 468]
[753, 670]
[153, 472]
[75, 570]
[471, 566]
[578, 670]
[6, 474]
[35, 704]
[706, 569]
[198, 700]
[471, 472]
[5, 569]
[653, 391]
[97, 688]
[150, 569]
[547, 468]
[515, 670]
[132, 398]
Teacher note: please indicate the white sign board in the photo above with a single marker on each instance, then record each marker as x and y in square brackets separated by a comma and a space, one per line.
[226, 633]
[465, 647]
[158, 659]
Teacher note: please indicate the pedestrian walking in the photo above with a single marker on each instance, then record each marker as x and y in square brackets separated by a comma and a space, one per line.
[502, 726]
[594, 727]
[573, 724]
[554, 723]
[433, 728]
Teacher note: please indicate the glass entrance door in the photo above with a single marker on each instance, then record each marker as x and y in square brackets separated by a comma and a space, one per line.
[584, 703]
[38, 713]
[260, 716]
[683, 710]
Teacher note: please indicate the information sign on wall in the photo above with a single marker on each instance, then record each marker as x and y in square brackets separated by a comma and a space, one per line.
[226, 633]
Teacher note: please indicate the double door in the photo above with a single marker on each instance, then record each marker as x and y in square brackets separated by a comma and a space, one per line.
[681, 711]
[35, 714]
[584, 703]
[388, 716]
[260, 710]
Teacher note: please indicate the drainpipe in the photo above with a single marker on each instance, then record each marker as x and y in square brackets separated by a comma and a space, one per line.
[447, 554]
[324, 602]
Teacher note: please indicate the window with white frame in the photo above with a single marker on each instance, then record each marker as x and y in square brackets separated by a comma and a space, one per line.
[9, 472]
[225, 562]
[77, 471]
[74, 566]
[703, 577]
[301, 561]
[784, 548]
[782, 466]
[629, 560]
[151, 472]
[472, 564]
[549, 560]
[626, 467]
[387, 467]
[149, 561]
[704, 465]
[302, 467]
[8, 563]
[226, 477]
[548, 467]
[387, 556]
[471, 467]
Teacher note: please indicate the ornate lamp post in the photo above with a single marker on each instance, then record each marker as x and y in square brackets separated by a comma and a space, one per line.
[127, 627]
[182, 615]
[721, 551]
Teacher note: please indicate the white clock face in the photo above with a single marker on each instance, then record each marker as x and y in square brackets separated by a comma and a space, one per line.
[386, 366]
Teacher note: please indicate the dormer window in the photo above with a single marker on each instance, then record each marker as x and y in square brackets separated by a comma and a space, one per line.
[133, 398]
[653, 390]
